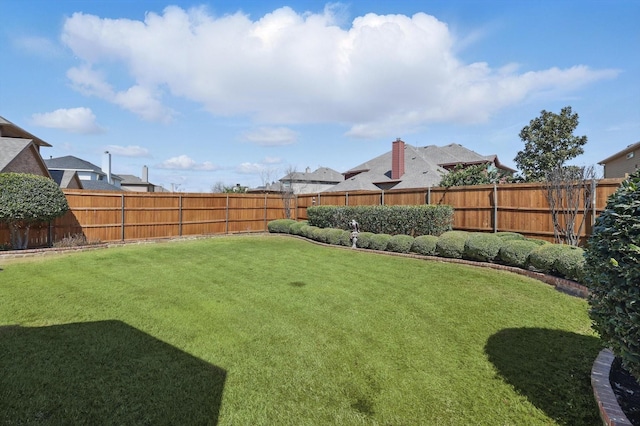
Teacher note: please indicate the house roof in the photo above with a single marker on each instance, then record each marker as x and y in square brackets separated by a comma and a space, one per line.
[64, 177]
[99, 185]
[69, 162]
[11, 147]
[9, 129]
[628, 149]
[320, 175]
[423, 166]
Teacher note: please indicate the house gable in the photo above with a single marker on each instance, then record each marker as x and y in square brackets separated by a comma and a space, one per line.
[19, 155]
[10, 130]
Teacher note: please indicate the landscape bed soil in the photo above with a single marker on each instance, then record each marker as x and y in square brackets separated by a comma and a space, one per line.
[627, 391]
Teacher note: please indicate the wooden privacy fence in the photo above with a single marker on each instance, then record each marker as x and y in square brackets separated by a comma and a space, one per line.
[119, 216]
[521, 207]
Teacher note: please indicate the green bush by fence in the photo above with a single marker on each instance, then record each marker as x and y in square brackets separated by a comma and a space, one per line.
[392, 220]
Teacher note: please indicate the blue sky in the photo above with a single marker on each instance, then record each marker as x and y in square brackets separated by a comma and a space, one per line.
[204, 92]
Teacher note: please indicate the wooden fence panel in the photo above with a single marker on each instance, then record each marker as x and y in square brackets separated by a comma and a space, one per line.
[115, 216]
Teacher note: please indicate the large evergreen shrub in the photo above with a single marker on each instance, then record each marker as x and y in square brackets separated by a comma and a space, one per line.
[280, 226]
[612, 273]
[27, 199]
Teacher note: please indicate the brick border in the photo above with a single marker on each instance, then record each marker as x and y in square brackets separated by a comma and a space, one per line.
[610, 411]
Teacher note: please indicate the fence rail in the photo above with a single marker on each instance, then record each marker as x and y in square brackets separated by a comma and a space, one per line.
[121, 216]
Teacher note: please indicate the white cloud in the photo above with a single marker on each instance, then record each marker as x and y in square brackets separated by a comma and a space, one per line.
[271, 136]
[272, 160]
[251, 168]
[74, 120]
[128, 151]
[378, 74]
[184, 162]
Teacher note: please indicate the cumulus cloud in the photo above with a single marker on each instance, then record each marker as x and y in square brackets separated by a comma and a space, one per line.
[184, 162]
[128, 151]
[271, 136]
[375, 75]
[39, 46]
[74, 120]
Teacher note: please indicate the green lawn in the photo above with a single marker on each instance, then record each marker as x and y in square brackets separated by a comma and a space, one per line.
[273, 330]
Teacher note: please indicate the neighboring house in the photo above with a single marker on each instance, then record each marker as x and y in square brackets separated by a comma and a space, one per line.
[66, 179]
[622, 163]
[20, 150]
[407, 166]
[90, 176]
[310, 182]
[136, 184]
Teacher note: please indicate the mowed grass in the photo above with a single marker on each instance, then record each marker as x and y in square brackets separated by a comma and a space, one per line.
[273, 330]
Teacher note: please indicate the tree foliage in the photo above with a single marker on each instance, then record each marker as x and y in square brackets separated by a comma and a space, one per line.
[26, 199]
[549, 143]
[612, 273]
[477, 174]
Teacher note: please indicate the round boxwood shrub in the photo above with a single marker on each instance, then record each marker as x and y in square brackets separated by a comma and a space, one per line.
[379, 241]
[320, 234]
[612, 273]
[482, 246]
[570, 263]
[510, 236]
[280, 226]
[537, 241]
[400, 243]
[364, 239]
[307, 231]
[543, 258]
[296, 227]
[425, 245]
[516, 252]
[337, 237]
[451, 244]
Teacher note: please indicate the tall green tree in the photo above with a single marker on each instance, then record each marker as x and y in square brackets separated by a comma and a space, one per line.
[26, 199]
[477, 174]
[548, 143]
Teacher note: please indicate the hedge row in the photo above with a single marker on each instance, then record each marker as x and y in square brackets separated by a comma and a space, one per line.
[392, 220]
[503, 247]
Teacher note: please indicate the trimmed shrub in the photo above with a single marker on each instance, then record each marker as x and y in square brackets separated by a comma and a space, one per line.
[295, 228]
[537, 241]
[612, 273]
[379, 241]
[451, 244]
[510, 236]
[320, 234]
[400, 243]
[425, 245]
[307, 231]
[570, 263]
[543, 258]
[516, 252]
[482, 246]
[407, 220]
[337, 237]
[364, 239]
[280, 226]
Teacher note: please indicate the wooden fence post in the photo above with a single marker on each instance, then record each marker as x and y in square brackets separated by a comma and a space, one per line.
[495, 208]
[226, 217]
[382, 197]
[346, 198]
[429, 194]
[122, 214]
[265, 211]
[180, 215]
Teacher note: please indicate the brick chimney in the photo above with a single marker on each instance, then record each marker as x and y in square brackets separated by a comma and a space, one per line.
[397, 159]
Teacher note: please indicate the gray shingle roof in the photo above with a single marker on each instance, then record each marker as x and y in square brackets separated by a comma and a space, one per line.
[8, 129]
[64, 177]
[69, 162]
[320, 175]
[423, 168]
[99, 185]
[10, 148]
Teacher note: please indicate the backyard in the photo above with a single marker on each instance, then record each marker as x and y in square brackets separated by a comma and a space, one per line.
[267, 330]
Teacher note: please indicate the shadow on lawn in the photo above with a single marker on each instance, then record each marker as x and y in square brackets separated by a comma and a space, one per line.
[551, 368]
[103, 372]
